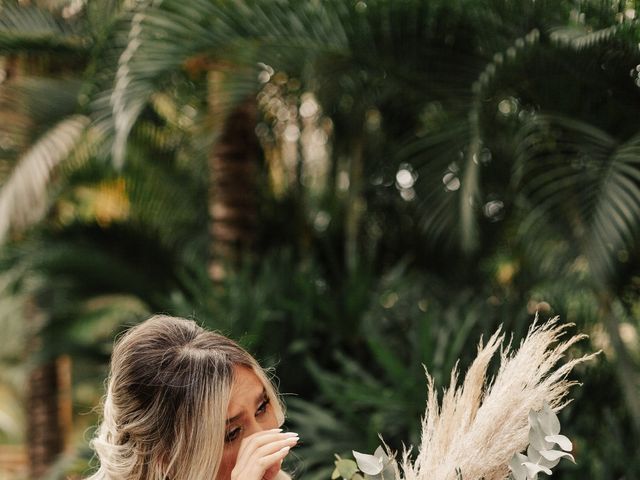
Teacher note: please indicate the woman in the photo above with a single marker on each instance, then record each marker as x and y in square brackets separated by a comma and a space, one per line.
[185, 403]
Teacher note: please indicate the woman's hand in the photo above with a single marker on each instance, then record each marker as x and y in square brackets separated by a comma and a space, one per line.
[260, 455]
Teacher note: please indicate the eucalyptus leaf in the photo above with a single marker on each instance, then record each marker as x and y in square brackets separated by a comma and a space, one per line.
[369, 464]
[346, 468]
[563, 442]
[536, 457]
[533, 469]
[548, 420]
[517, 467]
[554, 455]
[537, 438]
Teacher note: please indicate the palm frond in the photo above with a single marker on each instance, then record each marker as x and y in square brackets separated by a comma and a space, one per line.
[32, 29]
[615, 224]
[163, 38]
[369, 52]
[456, 149]
[436, 157]
[578, 172]
[29, 106]
[23, 197]
[15, 126]
[167, 200]
[41, 101]
[583, 37]
[15, 289]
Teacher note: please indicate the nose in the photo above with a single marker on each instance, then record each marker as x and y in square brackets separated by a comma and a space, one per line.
[267, 421]
[253, 426]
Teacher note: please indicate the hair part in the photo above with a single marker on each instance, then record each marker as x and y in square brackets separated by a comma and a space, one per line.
[165, 409]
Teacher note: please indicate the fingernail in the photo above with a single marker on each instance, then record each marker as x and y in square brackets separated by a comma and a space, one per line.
[276, 429]
[292, 434]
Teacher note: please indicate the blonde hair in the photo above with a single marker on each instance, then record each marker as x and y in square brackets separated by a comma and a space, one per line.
[166, 402]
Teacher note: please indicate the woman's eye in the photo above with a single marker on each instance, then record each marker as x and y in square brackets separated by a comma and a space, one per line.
[263, 407]
[232, 435]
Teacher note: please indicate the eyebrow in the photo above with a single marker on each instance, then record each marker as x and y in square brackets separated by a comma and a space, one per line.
[260, 397]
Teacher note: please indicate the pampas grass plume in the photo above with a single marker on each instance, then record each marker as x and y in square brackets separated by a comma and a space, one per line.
[478, 426]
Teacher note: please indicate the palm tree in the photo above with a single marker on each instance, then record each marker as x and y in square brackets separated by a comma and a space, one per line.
[45, 434]
[365, 62]
[577, 173]
[465, 75]
[439, 109]
[49, 134]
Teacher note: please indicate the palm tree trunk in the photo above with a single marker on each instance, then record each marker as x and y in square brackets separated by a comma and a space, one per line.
[233, 169]
[44, 436]
[49, 400]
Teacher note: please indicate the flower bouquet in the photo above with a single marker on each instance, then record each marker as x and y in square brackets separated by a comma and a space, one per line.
[480, 429]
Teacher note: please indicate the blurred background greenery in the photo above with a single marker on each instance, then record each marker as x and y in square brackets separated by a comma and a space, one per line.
[353, 189]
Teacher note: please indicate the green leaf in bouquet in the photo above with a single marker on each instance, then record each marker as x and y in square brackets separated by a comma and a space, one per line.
[345, 468]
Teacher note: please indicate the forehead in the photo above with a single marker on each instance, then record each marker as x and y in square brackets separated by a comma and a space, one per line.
[246, 388]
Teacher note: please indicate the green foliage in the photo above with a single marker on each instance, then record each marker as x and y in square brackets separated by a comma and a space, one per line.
[514, 126]
[33, 29]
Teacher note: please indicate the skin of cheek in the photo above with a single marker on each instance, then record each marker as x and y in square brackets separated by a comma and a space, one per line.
[231, 449]
[228, 460]
[246, 389]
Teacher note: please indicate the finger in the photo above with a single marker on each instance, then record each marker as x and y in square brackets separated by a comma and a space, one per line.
[270, 448]
[253, 441]
[272, 461]
[258, 440]
[256, 451]
[257, 468]
[273, 471]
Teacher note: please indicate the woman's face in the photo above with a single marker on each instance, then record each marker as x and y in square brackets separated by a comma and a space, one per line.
[250, 411]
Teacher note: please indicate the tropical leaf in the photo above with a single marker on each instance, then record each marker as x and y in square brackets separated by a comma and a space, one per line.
[327, 435]
[616, 215]
[33, 29]
[351, 56]
[33, 104]
[576, 170]
[437, 158]
[163, 39]
[23, 198]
